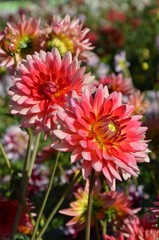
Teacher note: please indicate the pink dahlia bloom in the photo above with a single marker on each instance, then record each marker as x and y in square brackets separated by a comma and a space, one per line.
[67, 35]
[20, 39]
[101, 131]
[42, 84]
[138, 100]
[117, 83]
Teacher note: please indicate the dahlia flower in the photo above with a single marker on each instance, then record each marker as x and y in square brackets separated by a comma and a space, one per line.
[140, 104]
[117, 83]
[67, 35]
[22, 38]
[8, 210]
[101, 131]
[78, 208]
[120, 206]
[15, 143]
[133, 230]
[41, 86]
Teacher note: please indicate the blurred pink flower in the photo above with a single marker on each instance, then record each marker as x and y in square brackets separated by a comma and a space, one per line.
[15, 142]
[120, 204]
[41, 86]
[101, 131]
[140, 104]
[38, 180]
[67, 35]
[117, 83]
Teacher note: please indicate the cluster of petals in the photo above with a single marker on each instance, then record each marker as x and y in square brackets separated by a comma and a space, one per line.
[69, 35]
[117, 83]
[133, 230]
[42, 84]
[101, 131]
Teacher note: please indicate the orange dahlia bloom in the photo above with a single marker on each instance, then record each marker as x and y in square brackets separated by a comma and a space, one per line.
[101, 131]
[67, 35]
[41, 86]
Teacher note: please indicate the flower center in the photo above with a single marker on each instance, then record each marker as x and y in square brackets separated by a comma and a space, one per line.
[48, 90]
[61, 42]
[104, 131]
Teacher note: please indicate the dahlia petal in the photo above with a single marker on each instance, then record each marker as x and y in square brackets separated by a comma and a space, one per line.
[76, 154]
[97, 166]
[107, 173]
[113, 171]
[86, 155]
[21, 100]
[42, 55]
[83, 143]
[60, 147]
[60, 134]
[119, 111]
[34, 109]
[112, 184]
[15, 97]
[98, 100]
[26, 91]
[86, 169]
[69, 212]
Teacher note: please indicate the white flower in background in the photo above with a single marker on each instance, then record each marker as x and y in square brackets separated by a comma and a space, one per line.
[121, 62]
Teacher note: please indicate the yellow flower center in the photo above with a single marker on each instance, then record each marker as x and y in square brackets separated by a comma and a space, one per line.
[104, 131]
[61, 42]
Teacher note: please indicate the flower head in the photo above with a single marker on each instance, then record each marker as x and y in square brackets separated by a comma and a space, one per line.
[67, 35]
[15, 142]
[117, 83]
[41, 86]
[140, 104]
[120, 206]
[22, 38]
[101, 131]
[78, 208]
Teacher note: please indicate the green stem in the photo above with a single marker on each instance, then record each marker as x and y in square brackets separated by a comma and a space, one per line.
[74, 180]
[27, 170]
[46, 196]
[89, 208]
[5, 157]
[97, 229]
[34, 154]
[28, 155]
